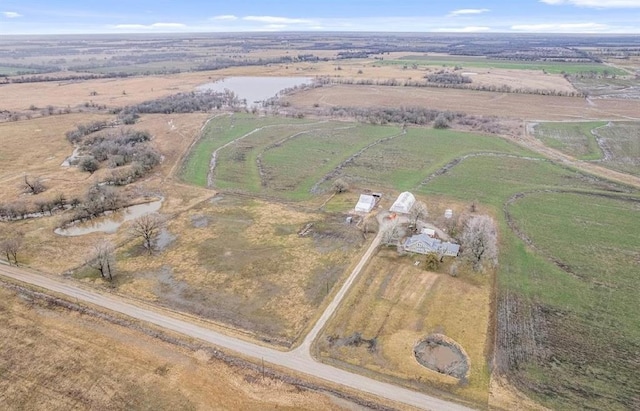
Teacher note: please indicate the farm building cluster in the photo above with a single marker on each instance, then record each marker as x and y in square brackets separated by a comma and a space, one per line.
[426, 241]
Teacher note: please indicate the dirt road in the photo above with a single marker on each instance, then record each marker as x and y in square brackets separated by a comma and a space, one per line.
[299, 360]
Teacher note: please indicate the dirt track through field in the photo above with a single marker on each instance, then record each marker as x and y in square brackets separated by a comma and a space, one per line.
[536, 145]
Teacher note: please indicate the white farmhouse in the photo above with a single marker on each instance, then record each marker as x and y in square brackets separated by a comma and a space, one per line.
[403, 204]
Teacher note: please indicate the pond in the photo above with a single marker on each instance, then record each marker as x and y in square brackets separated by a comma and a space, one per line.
[441, 354]
[111, 222]
[255, 90]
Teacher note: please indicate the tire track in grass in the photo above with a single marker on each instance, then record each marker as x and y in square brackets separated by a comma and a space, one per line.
[214, 156]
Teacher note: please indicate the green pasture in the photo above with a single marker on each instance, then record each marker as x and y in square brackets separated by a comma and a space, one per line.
[218, 132]
[293, 168]
[404, 162]
[578, 139]
[479, 62]
[575, 139]
[593, 333]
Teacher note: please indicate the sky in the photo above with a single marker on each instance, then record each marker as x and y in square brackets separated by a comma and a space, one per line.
[166, 16]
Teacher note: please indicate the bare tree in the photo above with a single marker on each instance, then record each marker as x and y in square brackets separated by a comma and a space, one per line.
[11, 244]
[370, 225]
[148, 228]
[340, 185]
[104, 259]
[418, 212]
[390, 233]
[480, 241]
[33, 185]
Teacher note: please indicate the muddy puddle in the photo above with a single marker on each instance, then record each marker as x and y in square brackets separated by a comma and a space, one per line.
[110, 222]
[440, 354]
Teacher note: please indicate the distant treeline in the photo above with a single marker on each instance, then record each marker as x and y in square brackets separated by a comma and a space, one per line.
[466, 86]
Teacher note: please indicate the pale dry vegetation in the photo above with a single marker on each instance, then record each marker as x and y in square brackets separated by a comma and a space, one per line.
[394, 305]
[52, 358]
[242, 263]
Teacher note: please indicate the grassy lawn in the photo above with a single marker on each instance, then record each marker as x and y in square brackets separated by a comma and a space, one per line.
[575, 139]
[470, 62]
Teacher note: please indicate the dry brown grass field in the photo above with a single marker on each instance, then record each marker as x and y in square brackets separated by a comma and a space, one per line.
[38, 147]
[52, 358]
[521, 106]
[398, 304]
[241, 262]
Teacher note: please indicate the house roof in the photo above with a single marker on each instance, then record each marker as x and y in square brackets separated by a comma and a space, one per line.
[423, 242]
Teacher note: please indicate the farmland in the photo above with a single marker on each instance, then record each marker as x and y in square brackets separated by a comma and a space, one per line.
[475, 62]
[612, 144]
[254, 239]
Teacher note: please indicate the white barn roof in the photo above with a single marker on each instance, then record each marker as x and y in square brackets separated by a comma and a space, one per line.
[404, 203]
[365, 203]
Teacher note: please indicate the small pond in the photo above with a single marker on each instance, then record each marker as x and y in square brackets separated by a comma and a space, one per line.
[443, 355]
[111, 222]
[255, 90]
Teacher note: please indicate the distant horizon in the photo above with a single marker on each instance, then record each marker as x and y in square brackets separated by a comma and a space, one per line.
[75, 17]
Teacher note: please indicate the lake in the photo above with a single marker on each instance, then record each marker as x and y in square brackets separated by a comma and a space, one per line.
[255, 90]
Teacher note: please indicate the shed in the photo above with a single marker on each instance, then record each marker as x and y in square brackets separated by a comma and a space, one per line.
[365, 203]
[404, 203]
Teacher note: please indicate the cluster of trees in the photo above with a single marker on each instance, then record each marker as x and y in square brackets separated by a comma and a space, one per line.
[21, 210]
[82, 130]
[11, 242]
[448, 78]
[97, 200]
[192, 102]
[123, 148]
[402, 115]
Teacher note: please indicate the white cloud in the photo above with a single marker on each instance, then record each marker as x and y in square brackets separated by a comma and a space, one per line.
[276, 20]
[463, 12]
[153, 26]
[225, 17]
[468, 29]
[11, 14]
[562, 28]
[597, 4]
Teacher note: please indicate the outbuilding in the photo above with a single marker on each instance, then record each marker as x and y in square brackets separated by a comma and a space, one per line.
[403, 204]
[365, 203]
